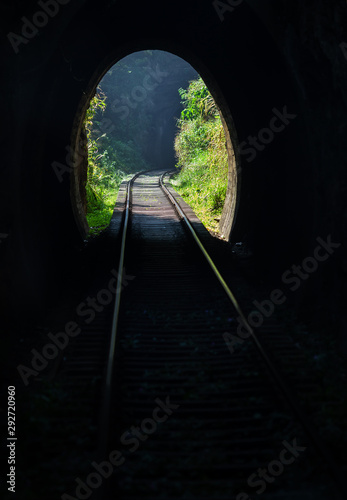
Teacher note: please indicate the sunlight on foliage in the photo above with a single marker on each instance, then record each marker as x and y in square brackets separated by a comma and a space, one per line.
[103, 179]
[112, 156]
[202, 155]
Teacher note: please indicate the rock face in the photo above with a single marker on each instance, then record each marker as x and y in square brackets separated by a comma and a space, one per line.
[278, 71]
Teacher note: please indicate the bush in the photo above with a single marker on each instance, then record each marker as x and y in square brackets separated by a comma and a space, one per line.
[110, 160]
[201, 154]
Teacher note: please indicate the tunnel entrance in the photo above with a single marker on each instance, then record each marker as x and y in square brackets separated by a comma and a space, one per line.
[129, 121]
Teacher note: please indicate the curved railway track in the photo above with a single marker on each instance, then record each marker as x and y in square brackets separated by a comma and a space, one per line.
[183, 415]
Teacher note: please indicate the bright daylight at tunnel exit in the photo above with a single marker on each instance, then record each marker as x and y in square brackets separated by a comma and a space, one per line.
[152, 110]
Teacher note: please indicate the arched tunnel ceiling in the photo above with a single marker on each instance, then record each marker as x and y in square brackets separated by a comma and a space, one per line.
[258, 59]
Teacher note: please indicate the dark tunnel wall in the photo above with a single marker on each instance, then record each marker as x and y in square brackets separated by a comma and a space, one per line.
[258, 59]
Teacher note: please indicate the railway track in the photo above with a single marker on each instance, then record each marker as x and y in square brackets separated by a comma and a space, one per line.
[181, 415]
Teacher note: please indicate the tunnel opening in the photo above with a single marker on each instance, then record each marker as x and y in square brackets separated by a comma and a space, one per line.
[127, 122]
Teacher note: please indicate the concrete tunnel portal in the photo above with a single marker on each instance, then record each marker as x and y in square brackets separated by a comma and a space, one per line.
[150, 83]
[241, 61]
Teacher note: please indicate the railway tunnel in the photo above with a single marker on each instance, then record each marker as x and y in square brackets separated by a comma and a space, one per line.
[258, 61]
[277, 71]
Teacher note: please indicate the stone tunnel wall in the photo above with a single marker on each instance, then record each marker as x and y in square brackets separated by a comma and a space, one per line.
[260, 59]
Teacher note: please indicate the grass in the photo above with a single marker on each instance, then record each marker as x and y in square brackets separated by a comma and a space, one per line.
[100, 208]
[203, 174]
[202, 162]
[204, 192]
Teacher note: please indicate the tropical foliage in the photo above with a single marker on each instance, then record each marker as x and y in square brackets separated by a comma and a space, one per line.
[134, 101]
[201, 154]
[122, 124]
[109, 162]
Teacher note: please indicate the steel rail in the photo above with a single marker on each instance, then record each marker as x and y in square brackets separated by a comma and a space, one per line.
[107, 388]
[285, 391]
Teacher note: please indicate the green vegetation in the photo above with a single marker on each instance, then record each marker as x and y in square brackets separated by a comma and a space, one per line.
[110, 161]
[103, 178]
[202, 155]
[128, 124]
[121, 125]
